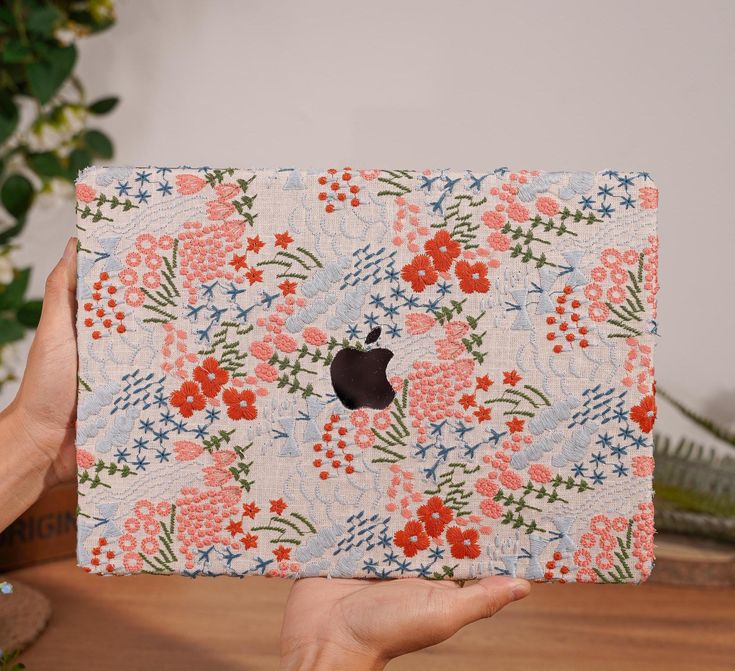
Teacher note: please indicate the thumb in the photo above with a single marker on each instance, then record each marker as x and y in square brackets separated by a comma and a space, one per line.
[59, 298]
[487, 596]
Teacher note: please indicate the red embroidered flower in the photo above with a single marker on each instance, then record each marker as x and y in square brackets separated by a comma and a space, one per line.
[472, 277]
[255, 244]
[250, 509]
[420, 273]
[254, 275]
[435, 516]
[483, 382]
[249, 541]
[188, 398]
[287, 287]
[515, 425]
[283, 240]
[644, 414]
[211, 377]
[238, 262]
[483, 414]
[463, 543]
[511, 377]
[467, 401]
[282, 553]
[234, 527]
[411, 538]
[443, 250]
[278, 506]
[240, 404]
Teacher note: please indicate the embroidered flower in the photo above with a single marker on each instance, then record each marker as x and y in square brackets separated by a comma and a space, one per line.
[418, 323]
[435, 516]
[472, 277]
[85, 193]
[491, 509]
[443, 250]
[188, 398]
[644, 414]
[240, 404]
[547, 206]
[463, 543]
[539, 473]
[261, 350]
[493, 219]
[643, 466]
[85, 460]
[412, 538]
[211, 377]
[189, 184]
[420, 273]
[186, 450]
[499, 242]
[314, 336]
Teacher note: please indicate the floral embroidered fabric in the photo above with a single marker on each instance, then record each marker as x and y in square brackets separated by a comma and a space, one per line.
[520, 308]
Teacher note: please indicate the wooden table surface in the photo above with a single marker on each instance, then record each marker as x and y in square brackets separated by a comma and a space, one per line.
[167, 623]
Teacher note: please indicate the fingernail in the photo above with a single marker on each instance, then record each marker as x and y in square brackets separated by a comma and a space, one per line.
[71, 246]
[520, 588]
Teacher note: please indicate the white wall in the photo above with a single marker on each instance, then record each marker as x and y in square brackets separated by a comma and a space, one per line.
[570, 84]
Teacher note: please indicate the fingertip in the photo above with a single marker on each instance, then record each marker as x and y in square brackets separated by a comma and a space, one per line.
[520, 589]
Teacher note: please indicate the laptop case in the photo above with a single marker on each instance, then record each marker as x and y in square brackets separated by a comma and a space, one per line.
[366, 373]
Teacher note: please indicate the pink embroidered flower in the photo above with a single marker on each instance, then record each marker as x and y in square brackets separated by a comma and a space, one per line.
[369, 175]
[382, 420]
[227, 191]
[219, 210]
[285, 343]
[511, 480]
[364, 438]
[643, 466]
[151, 280]
[132, 562]
[598, 312]
[456, 330]
[449, 349]
[128, 277]
[539, 473]
[315, 336]
[418, 323]
[586, 575]
[85, 193]
[266, 372]
[216, 477]
[547, 206]
[359, 418]
[600, 524]
[518, 212]
[499, 242]
[127, 542]
[491, 509]
[261, 350]
[582, 557]
[649, 197]
[486, 487]
[189, 184]
[186, 450]
[85, 460]
[149, 545]
[493, 219]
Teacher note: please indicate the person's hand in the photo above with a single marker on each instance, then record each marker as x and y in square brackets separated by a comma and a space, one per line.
[37, 428]
[363, 624]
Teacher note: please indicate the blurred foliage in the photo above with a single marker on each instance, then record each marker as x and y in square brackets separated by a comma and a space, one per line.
[694, 485]
[44, 137]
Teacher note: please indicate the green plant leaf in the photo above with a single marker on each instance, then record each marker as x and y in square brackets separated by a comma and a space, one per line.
[11, 296]
[48, 74]
[78, 160]
[43, 20]
[8, 116]
[16, 51]
[29, 313]
[46, 164]
[103, 105]
[98, 143]
[10, 331]
[16, 194]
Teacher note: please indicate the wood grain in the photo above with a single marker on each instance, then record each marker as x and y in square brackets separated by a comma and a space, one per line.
[174, 623]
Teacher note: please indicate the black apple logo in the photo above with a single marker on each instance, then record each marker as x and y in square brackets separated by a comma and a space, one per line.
[359, 378]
